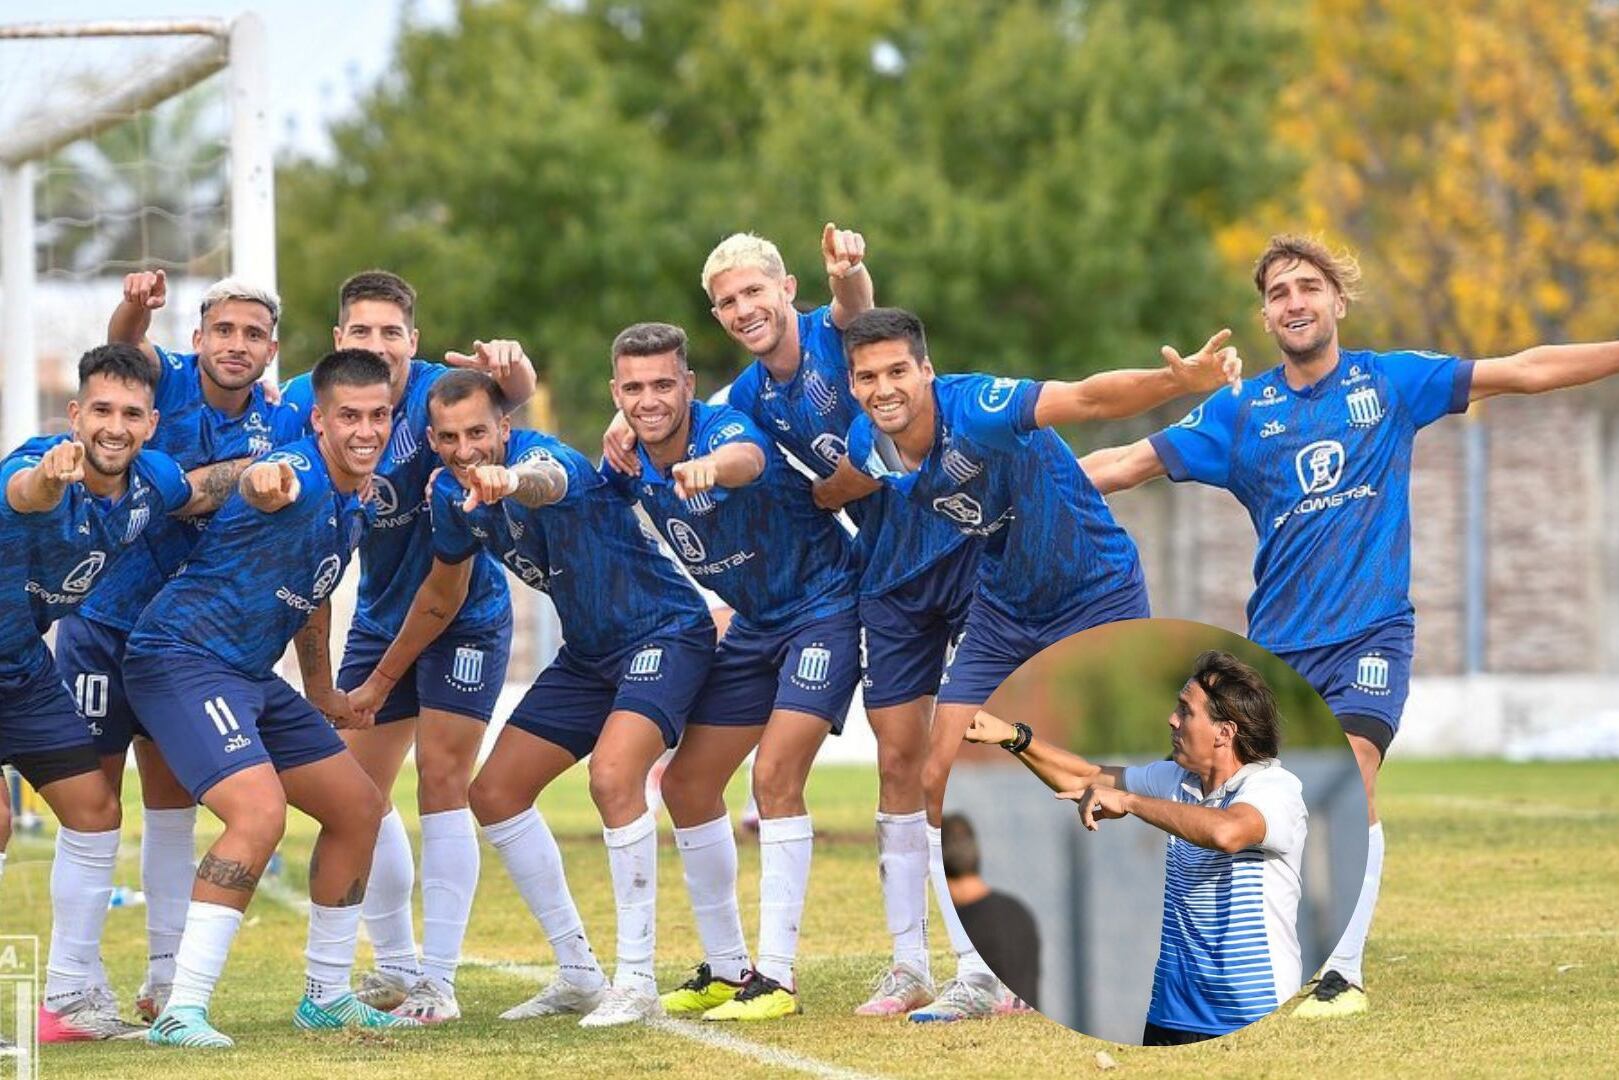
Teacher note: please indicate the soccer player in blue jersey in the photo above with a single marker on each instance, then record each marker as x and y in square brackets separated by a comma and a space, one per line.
[72, 504]
[442, 704]
[211, 412]
[977, 451]
[638, 642]
[1318, 450]
[742, 523]
[1237, 825]
[199, 671]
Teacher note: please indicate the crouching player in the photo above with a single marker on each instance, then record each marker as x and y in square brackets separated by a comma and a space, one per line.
[638, 643]
[743, 523]
[199, 671]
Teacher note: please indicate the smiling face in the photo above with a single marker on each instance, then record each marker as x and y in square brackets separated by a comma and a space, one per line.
[353, 424]
[235, 343]
[753, 306]
[654, 393]
[469, 433]
[892, 385]
[381, 327]
[1302, 308]
[112, 418]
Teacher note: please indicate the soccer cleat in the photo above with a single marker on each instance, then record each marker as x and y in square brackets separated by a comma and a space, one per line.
[429, 1002]
[761, 998]
[152, 999]
[558, 999]
[187, 1025]
[961, 999]
[700, 993]
[623, 1005]
[1333, 996]
[901, 989]
[382, 990]
[347, 1011]
[92, 1016]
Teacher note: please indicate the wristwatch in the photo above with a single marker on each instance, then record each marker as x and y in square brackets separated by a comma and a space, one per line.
[1020, 741]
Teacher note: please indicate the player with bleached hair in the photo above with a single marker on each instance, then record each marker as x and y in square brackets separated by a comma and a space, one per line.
[1237, 824]
[1318, 451]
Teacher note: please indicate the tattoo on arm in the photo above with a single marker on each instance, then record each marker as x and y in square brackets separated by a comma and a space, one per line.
[219, 481]
[540, 485]
[226, 873]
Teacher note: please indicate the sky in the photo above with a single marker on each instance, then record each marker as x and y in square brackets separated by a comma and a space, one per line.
[323, 53]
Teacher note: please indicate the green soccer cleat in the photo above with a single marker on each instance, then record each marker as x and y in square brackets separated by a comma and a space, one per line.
[347, 1011]
[188, 1026]
[761, 998]
[698, 994]
[1333, 997]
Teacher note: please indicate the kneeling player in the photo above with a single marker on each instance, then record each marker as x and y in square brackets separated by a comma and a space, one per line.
[743, 522]
[72, 503]
[199, 670]
[638, 644]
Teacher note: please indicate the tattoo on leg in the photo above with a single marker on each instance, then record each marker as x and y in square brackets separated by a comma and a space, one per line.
[226, 873]
[355, 894]
[314, 865]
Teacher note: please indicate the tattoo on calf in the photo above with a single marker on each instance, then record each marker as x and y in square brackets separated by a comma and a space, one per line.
[355, 894]
[226, 873]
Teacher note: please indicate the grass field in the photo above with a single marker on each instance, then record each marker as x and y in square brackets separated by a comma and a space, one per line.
[1495, 953]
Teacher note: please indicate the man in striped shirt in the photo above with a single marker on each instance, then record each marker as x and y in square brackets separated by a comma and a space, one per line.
[1229, 951]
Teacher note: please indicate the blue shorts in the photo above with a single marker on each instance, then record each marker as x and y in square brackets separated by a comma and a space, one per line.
[1369, 675]
[906, 632]
[809, 667]
[995, 644]
[659, 678]
[462, 672]
[210, 720]
[91, 658]
[37, 713]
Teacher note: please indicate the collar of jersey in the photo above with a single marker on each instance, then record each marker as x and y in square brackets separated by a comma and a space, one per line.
[1314, 388]
[650, 471]
[1190, 784]
[794, 386]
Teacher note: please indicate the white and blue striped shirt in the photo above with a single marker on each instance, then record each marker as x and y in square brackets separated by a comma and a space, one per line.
[1229, 951]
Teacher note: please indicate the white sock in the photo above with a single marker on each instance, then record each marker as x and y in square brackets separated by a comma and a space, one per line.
[708, 859]
[81, 884]
[534, 861]
[168, 867]
[210, 928]
[329, 959]
[969, 965]
[902, 861]
[450, 863]
[1351, 951]
[785, 845]
[4, 795]
[632, 856]
[387, 900]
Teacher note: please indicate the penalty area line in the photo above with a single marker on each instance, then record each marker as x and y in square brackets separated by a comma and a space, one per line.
[709, 1035]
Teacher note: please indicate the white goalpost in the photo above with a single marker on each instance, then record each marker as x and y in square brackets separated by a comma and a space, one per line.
[191, 52]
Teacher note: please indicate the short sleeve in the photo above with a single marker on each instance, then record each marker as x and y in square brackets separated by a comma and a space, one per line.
[1431, 385]
[1156, 780]
[820, 335]
[580, 476]
[727, 425]
[167, 479]
[25, 456]
[1279, 798]
[1198, 447]
[171, 370]
[453, 541]
[995, 411]
[299, 396]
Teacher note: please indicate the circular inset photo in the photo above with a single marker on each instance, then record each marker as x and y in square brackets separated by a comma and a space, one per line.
[1159, 835]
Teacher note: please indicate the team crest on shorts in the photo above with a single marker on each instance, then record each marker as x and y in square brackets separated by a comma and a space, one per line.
[1372, 675]
[646, 665]
[814, 667]
[467, 670]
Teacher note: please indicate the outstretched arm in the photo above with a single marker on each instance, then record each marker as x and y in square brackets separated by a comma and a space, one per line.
[844, 253]
[144, 293]
[1235, 828]
[1120, 468]
[437, 601]
[733, 465]
[535, 484]
[1113, 395]
[212, 485]
[40, 488]
[1543, 368]
[1057, 769]
[505, 362]
[844, 486]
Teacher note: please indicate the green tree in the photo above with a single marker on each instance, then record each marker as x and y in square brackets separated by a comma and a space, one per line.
[1041, 180]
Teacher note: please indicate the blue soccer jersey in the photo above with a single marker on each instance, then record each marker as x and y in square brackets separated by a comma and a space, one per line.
[194, 433]
[1051, 546]
[255, 578]
[1325, 475]
[610, 582]
[53, 559]
[764, 548]
[398, 551]
[811, 415]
